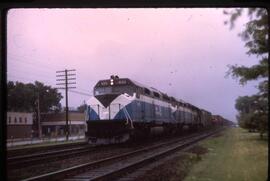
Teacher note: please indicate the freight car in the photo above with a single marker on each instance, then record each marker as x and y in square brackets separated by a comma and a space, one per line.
[122, 108]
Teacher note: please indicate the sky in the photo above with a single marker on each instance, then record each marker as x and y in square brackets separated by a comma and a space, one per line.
[184, 52]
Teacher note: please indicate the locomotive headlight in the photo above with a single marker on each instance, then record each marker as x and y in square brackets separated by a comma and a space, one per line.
[111, 81]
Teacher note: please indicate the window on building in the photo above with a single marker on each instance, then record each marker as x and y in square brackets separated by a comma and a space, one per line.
[15, 120]
[20, 119]
[25, 120]
[9, 119]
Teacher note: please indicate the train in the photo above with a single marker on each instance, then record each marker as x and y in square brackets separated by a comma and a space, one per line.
[121, 109]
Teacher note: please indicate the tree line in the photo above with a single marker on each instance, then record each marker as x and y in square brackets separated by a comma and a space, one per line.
[253, 110]
[24, 97]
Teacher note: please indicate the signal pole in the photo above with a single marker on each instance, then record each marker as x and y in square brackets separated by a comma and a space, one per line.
[65, 81]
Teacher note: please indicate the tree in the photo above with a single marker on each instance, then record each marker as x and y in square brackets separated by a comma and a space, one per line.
[82, 108]
[256, 37]
[23, 97]
[246, 108]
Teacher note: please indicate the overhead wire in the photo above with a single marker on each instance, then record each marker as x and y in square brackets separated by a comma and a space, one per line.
[23, 63]
[49, 83]
[47, 68]
[37, 66]
[83, 89]
[29, 80]
[33, 61]
[18, 78]
[81, 93]
[40, 74]
[45, 82]
[53, 66]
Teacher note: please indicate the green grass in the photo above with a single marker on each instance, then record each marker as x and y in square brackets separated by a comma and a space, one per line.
[235, 156]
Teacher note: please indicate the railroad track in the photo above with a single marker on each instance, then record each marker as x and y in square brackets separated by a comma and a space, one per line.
[31, 159]
[112, 167]
[39, 158]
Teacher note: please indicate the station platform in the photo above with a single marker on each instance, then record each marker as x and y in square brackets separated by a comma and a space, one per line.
[35, 142]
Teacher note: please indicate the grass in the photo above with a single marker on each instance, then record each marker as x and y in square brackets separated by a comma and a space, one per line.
[235, 156]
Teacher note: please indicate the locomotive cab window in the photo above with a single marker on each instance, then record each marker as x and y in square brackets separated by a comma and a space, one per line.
[138, 92]
[115, 90]
[103, 90]
[146, 91]
[137, 95]
[156, 95]
[165, 97]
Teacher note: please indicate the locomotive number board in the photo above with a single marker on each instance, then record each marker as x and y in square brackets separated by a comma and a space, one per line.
[104, 83]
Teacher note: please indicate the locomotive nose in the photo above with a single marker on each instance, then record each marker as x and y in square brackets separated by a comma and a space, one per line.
[106, 99]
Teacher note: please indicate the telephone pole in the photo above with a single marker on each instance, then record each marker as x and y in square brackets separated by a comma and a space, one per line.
[39, 123]
[67, 75]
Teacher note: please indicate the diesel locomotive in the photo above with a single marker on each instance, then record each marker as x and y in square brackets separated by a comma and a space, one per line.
[122, 108]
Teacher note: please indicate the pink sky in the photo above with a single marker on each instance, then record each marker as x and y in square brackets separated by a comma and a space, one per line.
[183, 52]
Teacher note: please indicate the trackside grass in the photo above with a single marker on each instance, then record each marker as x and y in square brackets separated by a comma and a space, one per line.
[236, 155]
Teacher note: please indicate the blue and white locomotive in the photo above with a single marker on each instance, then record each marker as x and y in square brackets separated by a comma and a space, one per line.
[121, 108]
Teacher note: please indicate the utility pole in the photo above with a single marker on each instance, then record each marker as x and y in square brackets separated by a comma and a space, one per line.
[67, 76]
[39, 123]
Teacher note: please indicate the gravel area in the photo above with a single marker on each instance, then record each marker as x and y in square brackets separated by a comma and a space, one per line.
[43, 149]
[30, 171]
[174, 167]
[93, 155]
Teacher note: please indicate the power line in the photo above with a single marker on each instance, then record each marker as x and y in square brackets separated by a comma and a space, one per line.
[81, 93]
[52, 66]
[48, 70]
[37, 62]
[84, 90]
[19, 77]
[30, 64]
[26, 76]
[40, 74]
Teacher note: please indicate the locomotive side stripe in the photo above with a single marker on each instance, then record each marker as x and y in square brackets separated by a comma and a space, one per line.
[124, 100]
[162, 103]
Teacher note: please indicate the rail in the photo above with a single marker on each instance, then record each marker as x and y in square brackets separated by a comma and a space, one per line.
[70, 172]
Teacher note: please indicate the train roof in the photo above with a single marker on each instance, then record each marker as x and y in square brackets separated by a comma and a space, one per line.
[161, 93]
[205, 111]
[154, 90]
[144, 86]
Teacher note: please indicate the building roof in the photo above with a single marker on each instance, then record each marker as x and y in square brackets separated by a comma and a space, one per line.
[73, 116]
